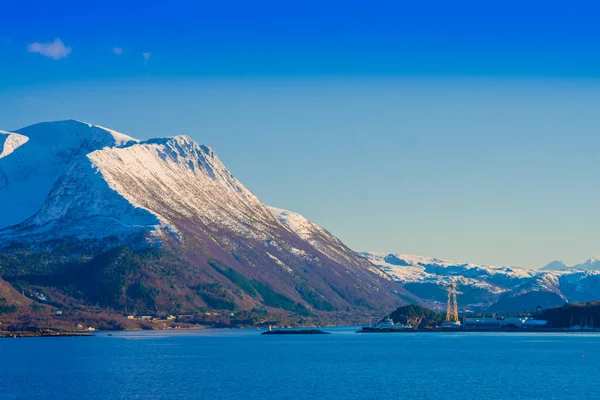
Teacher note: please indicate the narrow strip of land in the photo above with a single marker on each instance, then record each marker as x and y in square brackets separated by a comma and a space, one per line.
[8, 334]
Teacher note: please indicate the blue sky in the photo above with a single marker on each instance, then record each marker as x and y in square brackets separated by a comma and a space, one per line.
[466, 131]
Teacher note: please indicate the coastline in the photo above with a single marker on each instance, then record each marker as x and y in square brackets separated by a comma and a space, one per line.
[468, 330]
[26, 334]
[290, 330]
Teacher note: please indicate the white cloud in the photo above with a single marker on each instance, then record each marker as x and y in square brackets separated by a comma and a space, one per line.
[55, 50]
[146, 57]
[117, 50]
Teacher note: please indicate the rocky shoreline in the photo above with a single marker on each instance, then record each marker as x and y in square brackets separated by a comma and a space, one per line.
[42, 333]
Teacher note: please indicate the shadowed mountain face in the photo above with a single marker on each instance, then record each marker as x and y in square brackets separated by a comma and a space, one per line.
[163, 226]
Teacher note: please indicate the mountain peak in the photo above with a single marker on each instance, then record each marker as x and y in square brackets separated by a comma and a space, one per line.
[45, 151]
[59, 133]
[555, 265]
[590, 264]
[182, 146]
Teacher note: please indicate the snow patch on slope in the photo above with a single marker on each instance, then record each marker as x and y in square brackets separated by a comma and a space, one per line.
[280, 263]
[321, 239]
[9, 142]
[298, 224]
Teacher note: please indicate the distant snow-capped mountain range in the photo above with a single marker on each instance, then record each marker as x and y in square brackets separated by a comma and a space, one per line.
[488, 287]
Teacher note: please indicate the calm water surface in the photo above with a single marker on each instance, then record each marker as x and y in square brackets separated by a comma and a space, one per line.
[241, 364]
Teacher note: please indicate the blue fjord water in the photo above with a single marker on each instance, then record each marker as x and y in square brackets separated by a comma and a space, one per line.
[242, 364]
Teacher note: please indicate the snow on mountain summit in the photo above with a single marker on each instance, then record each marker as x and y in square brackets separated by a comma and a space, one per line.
[70, 175]
[141, 188]
[34, 157]
[72, 134]
[177, 179]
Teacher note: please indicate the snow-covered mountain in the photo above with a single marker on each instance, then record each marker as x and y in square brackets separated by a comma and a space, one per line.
[487, 287]
[145, 188]
[33, 158]
[73, 194]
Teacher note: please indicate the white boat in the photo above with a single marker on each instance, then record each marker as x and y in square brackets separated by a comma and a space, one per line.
[387, 323]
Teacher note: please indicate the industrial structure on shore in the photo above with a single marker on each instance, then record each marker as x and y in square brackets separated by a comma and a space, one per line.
[483, 323]
[452, 321]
